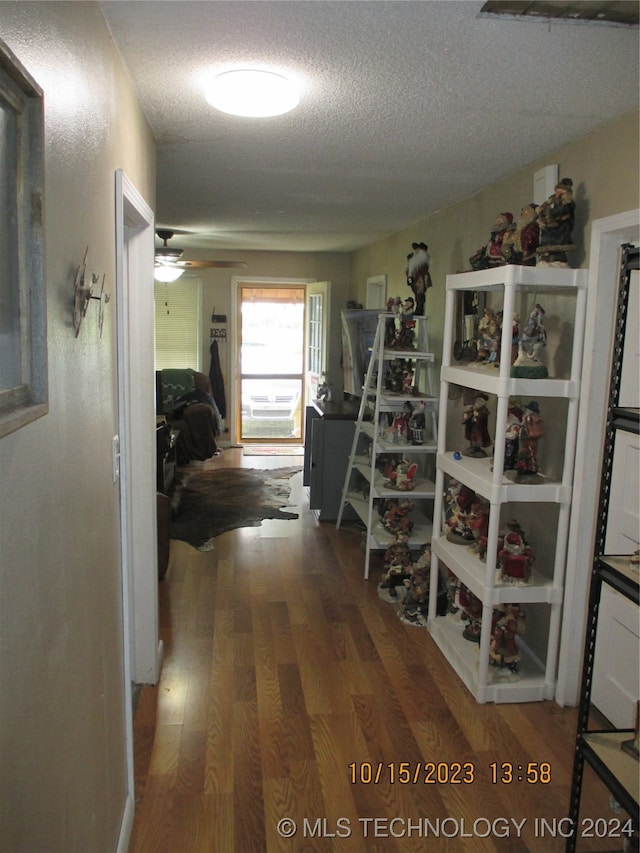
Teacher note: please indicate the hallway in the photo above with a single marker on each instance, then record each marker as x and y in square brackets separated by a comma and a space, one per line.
[285, 674]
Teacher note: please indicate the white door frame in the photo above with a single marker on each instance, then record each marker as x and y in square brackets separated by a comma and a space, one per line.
[607, 235]
[137, 459]
[236, 282]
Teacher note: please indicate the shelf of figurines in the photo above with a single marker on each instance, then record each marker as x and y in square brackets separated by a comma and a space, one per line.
[526, 584]
[390, 401]
[538, 323]
[494, 555]
[396, 440]
[477, 473]
[486, 378]
[532, 435]
[525, 278]
[399, 481]
[397, 518]
[514, 672]
[382, 537]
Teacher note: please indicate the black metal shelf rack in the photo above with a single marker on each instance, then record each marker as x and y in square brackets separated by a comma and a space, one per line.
[601, 748]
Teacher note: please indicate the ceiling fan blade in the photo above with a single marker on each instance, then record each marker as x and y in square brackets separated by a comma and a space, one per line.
[208, 264]
[169, 256]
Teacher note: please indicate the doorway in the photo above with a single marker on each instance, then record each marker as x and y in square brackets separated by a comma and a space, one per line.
[133, 458]
[270, 381]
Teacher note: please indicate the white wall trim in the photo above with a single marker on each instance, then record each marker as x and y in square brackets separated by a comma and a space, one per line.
[142, 649]
[606, 237]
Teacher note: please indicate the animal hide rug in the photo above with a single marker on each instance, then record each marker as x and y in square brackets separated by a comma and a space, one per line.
[208, 503]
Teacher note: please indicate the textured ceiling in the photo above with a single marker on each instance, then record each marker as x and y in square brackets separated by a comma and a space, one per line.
[406, 108]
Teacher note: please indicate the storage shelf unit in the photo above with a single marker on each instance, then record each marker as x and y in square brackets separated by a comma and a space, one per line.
[602, 749]
[514, 290]
[371, 439]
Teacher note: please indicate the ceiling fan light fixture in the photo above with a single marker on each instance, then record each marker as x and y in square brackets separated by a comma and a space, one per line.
[252, 93]
[167, 274]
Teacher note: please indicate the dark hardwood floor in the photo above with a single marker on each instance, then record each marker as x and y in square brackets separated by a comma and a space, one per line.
[285, 674]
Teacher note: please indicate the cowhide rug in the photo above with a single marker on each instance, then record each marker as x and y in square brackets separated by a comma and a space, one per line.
[208, 503]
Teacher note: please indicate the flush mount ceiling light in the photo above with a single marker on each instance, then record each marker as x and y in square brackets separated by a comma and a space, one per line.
[254, 94]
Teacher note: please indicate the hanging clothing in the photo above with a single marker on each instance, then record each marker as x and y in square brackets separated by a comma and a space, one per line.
[217, 382]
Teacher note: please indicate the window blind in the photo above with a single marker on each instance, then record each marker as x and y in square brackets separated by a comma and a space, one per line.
[178, 323]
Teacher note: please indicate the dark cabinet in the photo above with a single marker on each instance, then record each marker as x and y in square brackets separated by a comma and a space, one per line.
[329, 430]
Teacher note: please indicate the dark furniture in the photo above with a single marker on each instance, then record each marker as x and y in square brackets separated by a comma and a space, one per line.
[188, 424]
[185, 399]
[329, 430]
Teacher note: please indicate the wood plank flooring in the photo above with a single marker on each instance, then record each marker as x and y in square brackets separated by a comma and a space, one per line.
[285, 675]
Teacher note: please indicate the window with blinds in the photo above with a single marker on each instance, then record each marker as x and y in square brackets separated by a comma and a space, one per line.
[178, 308]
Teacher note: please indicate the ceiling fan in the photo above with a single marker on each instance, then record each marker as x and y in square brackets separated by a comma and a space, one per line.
[169, 261]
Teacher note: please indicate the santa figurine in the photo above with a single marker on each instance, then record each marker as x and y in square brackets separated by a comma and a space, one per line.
[512, 434]
[490, 256]
[418, 276]
[532, 429]
[504, 653]
[515, 559]
[475, 419]
[556, 219]
[522, 238]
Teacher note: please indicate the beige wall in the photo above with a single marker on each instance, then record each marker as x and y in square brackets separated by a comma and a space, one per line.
[62, 738]
[604, 169]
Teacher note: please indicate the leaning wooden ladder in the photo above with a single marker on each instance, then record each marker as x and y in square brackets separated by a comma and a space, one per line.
[363, 483]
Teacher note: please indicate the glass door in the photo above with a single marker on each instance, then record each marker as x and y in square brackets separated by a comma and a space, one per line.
[270, 381]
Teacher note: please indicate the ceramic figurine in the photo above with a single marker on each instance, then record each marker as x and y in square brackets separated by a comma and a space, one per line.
[403, 478]
[512, 434]
[488, 344]
[532, 340]
[453, 585]
[394, 304]
[417, 423]
[395, 517]
[400, 329]
[459, 506]
[532, 429]
[324, 390]
[395, 376]
[408, 309]
[397, 567]
[471, 614]
[400, 424]
[507, 622]
[415, 603]
[407, 378]
[556, 219]
[522, 238]
[515, 559]
[418, 276]
[475, 419]
[490, 256]
[478, 523]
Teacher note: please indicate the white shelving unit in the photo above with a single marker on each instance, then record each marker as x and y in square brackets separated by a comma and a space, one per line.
[514, 290]
[372, 438]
